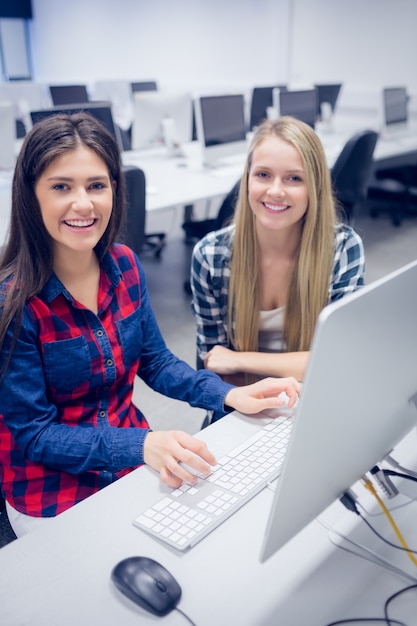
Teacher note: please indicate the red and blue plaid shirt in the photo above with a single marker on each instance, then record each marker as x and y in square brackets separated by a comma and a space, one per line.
[67, 423]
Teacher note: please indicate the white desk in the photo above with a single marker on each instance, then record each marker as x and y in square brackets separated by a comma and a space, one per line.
[178, 181]
[173, 181]
[60, 574]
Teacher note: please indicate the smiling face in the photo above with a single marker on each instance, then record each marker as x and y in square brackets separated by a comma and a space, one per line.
[75, 196]
[277, 188]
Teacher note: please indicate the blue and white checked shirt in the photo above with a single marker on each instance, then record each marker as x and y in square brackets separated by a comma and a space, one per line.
[210, 274]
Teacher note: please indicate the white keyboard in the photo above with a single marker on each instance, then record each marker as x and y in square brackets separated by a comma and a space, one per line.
[186, 515]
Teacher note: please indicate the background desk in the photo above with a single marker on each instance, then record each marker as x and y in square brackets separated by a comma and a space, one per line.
[60, 574]
[175, 182]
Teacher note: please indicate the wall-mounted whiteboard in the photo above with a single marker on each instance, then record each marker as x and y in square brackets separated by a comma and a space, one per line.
[14, 50]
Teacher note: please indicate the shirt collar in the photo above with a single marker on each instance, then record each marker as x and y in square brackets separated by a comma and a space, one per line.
[108, 265]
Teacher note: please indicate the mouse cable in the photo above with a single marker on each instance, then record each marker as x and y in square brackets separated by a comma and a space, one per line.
[185, 615]
[397, 595]
[373, 620]
[363, 552]
[370, 620]
[349, 501]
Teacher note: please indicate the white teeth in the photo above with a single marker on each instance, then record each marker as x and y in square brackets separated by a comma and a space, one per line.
[276, 207]
[79, 223]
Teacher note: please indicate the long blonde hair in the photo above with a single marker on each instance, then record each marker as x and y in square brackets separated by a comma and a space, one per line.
[309, 283]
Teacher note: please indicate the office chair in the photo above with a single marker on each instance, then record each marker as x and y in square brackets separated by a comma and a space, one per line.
[20, 129]
[394, 190]
[197, 229]
[134, 234]
[351, 171]
[6, 532]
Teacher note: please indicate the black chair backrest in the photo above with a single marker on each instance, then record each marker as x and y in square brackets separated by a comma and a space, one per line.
[133, 233]
[227, 207]
[351, 171]
[197, 229]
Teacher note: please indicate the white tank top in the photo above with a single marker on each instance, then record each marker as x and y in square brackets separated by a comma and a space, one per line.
[271, 327]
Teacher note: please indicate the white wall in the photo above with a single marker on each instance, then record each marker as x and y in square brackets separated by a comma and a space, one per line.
[227, 44]
[367, 44]
[193, 43]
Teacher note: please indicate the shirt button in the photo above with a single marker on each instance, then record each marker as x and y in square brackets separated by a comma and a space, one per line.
[100, 333]
[102, 414]
[109, 362]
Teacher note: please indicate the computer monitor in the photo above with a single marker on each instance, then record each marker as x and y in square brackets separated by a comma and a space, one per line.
[327, 93]
[149, 85]
[262, 100]
[301, 104]
[26, 96]
[101, 110]
[395, 107]
[154, 111]
[68, 94]
[358, 401]
[221, 127]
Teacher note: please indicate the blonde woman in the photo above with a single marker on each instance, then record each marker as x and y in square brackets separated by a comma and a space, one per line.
[259, 284]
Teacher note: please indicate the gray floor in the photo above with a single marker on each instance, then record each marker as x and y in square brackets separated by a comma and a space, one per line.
[387, 248]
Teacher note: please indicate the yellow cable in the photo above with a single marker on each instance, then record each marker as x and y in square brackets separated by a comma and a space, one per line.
[401, 539]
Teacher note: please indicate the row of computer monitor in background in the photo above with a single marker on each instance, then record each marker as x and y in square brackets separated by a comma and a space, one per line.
[305, 104]
[74, 94]
[219, 122]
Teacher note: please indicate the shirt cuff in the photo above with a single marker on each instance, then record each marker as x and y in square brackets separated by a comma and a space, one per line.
[128, 447]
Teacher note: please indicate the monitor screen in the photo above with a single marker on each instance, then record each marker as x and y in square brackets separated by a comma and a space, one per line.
[149, 85]
[262, 99]
[301, 104]
[327, 93]
[101, 110]
[221, 126]
[152, 109]
[395, 102]
[358, 400]
[68, 94]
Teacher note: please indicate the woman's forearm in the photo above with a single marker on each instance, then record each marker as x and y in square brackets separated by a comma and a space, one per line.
[224, 361]
[278, 364]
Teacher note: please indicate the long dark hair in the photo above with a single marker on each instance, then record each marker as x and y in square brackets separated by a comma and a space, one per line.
[27, 260]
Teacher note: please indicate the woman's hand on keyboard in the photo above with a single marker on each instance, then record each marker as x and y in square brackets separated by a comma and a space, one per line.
[172, 452]
[263, 395]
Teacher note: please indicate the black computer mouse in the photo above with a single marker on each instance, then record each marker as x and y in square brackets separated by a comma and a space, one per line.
[147, 583]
